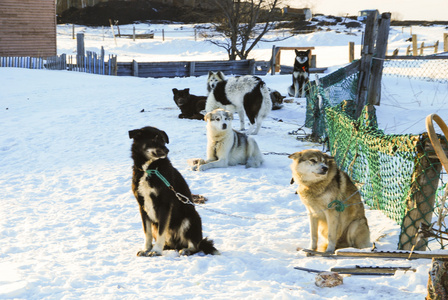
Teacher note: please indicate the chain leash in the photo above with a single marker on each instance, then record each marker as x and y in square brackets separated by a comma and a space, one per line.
[338, 205]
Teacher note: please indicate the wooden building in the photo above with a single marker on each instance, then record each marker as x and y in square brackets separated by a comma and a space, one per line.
[304, 14]
[28, 28]
[63, 5]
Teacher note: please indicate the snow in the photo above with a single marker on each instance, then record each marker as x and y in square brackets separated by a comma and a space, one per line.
[70, 226]
[400, 9]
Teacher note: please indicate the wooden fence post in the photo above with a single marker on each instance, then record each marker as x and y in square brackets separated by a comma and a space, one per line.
[374, 94]
[366, 60]
[251, 70]
[445, 42]
[277, 59]
[134, 68]
[80, 44]
[425, 180]
[192, 68]
[351, 51]
[63, 61]
[414, 45]
[102, 61]
[313, 61]
[80, 52]
[273, 60]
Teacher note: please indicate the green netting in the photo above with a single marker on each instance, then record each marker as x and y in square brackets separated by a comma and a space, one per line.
[395, 173]
[362, 151]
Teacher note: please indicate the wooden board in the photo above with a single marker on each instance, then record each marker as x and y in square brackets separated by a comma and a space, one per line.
[377, 254]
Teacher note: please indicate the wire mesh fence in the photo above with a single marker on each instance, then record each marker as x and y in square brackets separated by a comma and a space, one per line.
[398, 174]
[434, 69]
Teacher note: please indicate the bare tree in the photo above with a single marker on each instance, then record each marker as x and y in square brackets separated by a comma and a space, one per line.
[241, 24]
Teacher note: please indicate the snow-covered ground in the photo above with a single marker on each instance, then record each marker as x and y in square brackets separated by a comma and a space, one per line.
[70, 226]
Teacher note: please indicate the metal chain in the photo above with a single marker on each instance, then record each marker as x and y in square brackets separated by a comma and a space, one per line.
[339, 205]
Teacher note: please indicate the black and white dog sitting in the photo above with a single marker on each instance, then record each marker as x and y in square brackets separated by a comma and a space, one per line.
[172, 223]
[242, 94]
[190, 105]
[300, 75]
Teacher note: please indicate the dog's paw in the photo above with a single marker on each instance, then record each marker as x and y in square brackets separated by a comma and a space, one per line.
[202, 167]
[329, 251]
[185, 252]
[195, 162]
[143, 252]
[148, 253]
[198, 199]
[154, 253]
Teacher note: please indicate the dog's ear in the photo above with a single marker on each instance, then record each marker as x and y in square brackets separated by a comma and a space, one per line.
[229, 115]
[297, 52]
[208, 116]
[295, 155]
[175, 91]
[210, 73]
[292, 181]
[328, 157]
[165, 137]
[133, 133]
[187, 90]
[221, 75]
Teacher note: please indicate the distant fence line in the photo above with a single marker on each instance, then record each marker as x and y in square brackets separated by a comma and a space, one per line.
[191, 68]
[133, 33]
[22, 62]
[428, 68]
[99, 64]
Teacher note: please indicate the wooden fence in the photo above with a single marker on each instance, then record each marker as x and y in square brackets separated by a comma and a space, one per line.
[97, 64]
[93, 63]
[191, 68]
[90, 63]
[22, 62]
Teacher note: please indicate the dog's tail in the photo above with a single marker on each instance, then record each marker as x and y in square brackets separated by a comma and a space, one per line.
[207, 246]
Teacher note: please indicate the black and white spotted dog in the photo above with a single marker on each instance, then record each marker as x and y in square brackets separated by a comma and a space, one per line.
[300, 75]
[242, 94]
[213, 79]
[172, 223]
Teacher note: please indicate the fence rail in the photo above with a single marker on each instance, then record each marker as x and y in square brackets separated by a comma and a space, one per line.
[191, 68]
[100, 64]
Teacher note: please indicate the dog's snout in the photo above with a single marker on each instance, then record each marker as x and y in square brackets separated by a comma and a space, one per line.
[224, 126]
[324, 169]
[161, 152]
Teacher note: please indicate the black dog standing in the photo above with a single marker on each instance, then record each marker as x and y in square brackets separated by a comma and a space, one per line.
[162, 193]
